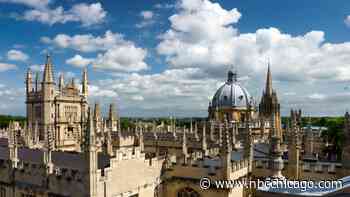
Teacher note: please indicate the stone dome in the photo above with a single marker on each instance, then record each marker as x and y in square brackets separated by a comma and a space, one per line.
[231, 94]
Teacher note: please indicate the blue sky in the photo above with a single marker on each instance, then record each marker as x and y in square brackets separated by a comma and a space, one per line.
[160, 58]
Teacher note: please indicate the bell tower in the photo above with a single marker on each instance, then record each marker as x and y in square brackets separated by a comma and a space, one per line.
[48, 96]
[269, 105]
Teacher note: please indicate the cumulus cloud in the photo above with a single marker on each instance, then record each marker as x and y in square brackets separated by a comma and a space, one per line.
[114, 52]
[16, 55]
[87, 42]
[6, 67]
[12, 99]
[89, 14]
[122, 58]
[180, 91]
[202, 35]
[79, 61]
[86, 14]
[96, 91]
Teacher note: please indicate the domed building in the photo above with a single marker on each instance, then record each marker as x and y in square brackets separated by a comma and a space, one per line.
[231, 101]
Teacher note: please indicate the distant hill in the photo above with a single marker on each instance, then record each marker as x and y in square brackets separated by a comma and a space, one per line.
[6, 119]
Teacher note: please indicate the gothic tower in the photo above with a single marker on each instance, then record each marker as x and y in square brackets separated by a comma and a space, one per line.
[91, 155]
[269, 105]
[48, 95]
[294, 146]
[113, 120]
[29, 89]
[84, 84]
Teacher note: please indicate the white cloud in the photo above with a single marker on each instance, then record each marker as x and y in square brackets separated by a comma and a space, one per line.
[86, 14]
[201, 33]
[317, 96]
[180, 91]
[6, 67]
[147, 19]
[137, 98]
[69, 76]
[115, 53]
[347, 21]
[96, 91]
[48, 16]
[79, 61]
[164, 6]
[89, 14]
[146, 14]
[37, 68]
[122, 58]
[17, 55]
[202, 36]
[30, 3]
[87, 42]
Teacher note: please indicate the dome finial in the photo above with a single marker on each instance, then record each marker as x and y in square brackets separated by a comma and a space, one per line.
[232, 75]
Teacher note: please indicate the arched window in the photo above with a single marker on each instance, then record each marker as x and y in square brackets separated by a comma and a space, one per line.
[187, 192]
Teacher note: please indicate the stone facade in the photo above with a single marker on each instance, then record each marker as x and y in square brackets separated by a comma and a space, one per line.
[57, 111]
[67, 149]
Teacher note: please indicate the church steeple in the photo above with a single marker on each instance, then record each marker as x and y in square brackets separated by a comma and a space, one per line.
[29, 82]
[268, 88]
[61, 83]
[48, 73]
[84, 83]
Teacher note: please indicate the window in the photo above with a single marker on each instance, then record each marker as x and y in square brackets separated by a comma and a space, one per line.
[187, 192]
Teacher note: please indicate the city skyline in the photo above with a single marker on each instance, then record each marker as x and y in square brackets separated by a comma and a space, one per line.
[168, 58]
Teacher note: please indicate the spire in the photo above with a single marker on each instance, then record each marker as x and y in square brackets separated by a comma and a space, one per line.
[91, 155]
[48, 73]
[48, 151]
[111, 113]
[184, 147]
[13, 149]
[275, 162]
[184, 142]
[61, 82]
[29, 81]
[36, 81]
[72, 83]
[97, 111]
[204, 141]
[90, 129]
[196, 131]
[84, 83]
[231, 76]
[268, 88]
[191, 127]
[141, 141]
